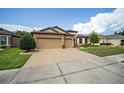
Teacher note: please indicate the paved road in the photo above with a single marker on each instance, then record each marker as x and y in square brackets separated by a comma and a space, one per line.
[68, 66]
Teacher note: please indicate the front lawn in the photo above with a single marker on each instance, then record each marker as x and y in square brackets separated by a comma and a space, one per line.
[11, 59]
[103, 51]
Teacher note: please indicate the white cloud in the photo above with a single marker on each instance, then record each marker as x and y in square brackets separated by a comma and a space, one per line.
[37, 28]
[13, 27]
[103, 23]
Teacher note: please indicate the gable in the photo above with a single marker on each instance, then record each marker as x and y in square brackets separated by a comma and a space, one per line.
[59, 30]
[54, 30]
[48, 31]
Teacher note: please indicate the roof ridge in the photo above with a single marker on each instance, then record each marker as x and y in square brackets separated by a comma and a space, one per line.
[61, 29]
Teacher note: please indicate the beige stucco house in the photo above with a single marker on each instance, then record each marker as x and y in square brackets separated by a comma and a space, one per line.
[54, 37]
[115, 40]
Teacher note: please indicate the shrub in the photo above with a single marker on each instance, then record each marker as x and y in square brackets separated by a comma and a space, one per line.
[86, 45]
[27, 42]
[105, 43]
[122, 43]
[63, 46]
[89, 45]
[3, 47]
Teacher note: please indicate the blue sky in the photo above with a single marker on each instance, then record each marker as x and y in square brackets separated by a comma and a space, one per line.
[41, 17]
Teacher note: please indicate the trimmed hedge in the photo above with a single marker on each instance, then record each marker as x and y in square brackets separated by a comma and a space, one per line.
[89, 45]
[122, 43]
[105, 43]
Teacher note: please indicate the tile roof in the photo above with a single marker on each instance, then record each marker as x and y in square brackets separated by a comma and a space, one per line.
[6, 32]
[52, 28]
[114, 36]
[82, 36]
[72, 31]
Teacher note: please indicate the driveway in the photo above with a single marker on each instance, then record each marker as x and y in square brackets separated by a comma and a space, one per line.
[51, 56]
[66, 66]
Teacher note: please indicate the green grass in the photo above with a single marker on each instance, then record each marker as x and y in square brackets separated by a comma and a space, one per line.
[11, 59]
[103, 51]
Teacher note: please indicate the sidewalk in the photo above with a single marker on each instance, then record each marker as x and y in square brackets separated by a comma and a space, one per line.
[114, 58]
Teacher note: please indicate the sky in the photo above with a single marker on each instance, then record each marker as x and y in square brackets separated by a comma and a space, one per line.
[67, 18]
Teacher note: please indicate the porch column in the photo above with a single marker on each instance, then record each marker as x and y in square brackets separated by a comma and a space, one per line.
[83, 41]
[62, 40]
[7, 41]
[73, 42]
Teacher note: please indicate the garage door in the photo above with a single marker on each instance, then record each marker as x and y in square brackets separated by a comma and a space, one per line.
[68, 43]
[46, 43]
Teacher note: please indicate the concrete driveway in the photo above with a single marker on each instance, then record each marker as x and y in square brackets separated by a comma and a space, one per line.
[51, 56]
[66, 66]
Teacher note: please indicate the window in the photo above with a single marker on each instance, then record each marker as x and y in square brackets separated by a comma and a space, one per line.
[122, 42]
[80, 40]
[3, 40]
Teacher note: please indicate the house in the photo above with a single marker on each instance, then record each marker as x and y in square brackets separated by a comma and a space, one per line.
[72, 32]
[53, 37]
[82, 39]
[115, 40]
[8, 38]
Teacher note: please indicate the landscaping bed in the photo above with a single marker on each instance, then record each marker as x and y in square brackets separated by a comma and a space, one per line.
[103, 51]
[10, 58]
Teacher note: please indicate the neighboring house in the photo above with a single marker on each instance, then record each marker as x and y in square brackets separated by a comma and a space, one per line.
[53, 37]
[82, 39]
[115, 40]
[8, 38]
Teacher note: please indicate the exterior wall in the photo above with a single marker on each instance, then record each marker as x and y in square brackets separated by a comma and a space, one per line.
[83, 41]
[48, 31]
[72, 33]
[49, 36]
[115, 42]
[101, 40]
[15, 41]
[60, 31]
[88, 41]
[78, 41]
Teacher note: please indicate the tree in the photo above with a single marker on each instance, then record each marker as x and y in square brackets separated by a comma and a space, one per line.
[119, 33]
[116, 33]
[94, 38]
[21, 33]
[27, 42]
